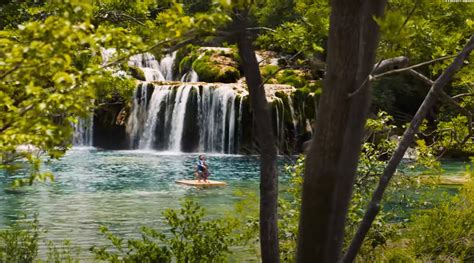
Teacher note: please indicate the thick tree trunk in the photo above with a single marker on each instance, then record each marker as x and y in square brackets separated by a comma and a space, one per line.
[407, 139]
[266, 142]
[332, 158]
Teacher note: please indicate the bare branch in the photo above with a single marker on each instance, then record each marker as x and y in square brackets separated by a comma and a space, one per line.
[391, 64]
[441, 94]
[8, 72]
[21, 113]
[462, 95]
[260, 28]
[382, 66]
[414, 66]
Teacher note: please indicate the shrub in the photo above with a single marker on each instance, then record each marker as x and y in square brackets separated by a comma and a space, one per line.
[20, 242]
[188, 239]
[447, 230]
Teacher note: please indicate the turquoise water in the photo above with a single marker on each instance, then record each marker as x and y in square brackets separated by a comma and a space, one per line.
[125, 190]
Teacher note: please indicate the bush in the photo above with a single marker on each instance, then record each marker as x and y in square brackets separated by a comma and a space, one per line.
[20, 242]
[447, 230]
[188, 239]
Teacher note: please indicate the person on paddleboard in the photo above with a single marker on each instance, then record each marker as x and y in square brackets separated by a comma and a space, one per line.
[202, 170]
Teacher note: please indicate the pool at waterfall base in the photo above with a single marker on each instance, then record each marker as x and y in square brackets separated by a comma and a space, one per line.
[123, 190]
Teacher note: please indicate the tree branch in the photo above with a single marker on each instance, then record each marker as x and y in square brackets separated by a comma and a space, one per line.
[441, 94]
[22, 112]
[260, 28]
[462, 95]
[412, 67]
[450, 100]
[430, 99]
[382, 66]
[8, 72]
[391, 64]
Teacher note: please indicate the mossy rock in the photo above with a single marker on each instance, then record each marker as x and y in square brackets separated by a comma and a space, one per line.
[184, 59]
[211, 67]
[269, 71]
[137, 73]
[295, 78]
[211, 64]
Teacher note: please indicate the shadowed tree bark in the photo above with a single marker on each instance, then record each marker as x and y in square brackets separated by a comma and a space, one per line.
[332, 157]
[265, 138]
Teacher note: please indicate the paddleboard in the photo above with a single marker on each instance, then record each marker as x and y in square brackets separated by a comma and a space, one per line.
[201, 183]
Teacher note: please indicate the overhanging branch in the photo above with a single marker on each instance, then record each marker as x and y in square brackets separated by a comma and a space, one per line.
[412, 67]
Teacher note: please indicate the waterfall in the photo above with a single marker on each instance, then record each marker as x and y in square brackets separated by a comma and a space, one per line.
[231, 136]
[280, 122]
[150, 66]
[166, 66]
[161, 122]
[106, 54]
[177, 124]
[138, 114]
[159, 95]
[83, 132]
[293, 116]
[218, 119]
[239, 121]
[190, 76]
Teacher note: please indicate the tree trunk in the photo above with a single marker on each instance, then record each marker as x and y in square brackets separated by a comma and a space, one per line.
[407, 139]
[333, 155]
[266, 142]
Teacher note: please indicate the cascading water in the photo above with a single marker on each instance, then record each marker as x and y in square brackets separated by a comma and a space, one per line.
[280, 121]
[231, 134]
[217, 119]
[165, 118]
[239, 121]
[150, 66]
[166, 66]
[190, 76]
[177, 125]
[138, 115]
[83, 132]
[199, 117]
[294, 120]
[159, 96]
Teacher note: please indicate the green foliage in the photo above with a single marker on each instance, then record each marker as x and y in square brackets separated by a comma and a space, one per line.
[454, 134]
[20, 242]
[447, 230]
[272, 13]
[49, 79]
[188, 238]
[424, 29]
[64, 253]
[305, 30]
[215, 66]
